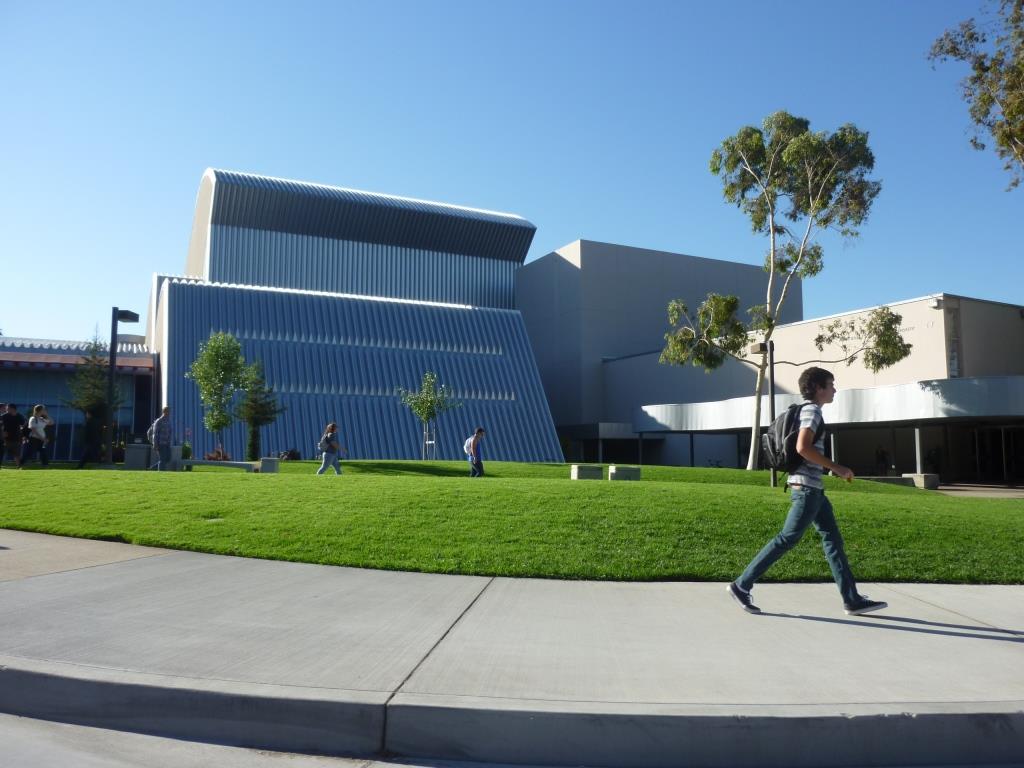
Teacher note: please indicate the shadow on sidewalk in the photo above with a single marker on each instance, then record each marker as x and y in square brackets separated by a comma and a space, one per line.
[883, 622]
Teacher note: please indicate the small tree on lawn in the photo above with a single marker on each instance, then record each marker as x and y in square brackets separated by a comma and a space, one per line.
[259, 407]
[427, 404]
[218, 371]
[88, 388]
[791, 183]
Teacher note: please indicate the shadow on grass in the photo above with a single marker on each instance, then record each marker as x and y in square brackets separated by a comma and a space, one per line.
[394, 468]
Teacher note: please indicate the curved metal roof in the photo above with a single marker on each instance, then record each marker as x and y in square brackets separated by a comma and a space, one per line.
[263, 202]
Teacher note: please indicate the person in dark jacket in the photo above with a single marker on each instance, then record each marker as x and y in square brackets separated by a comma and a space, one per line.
[13, 422]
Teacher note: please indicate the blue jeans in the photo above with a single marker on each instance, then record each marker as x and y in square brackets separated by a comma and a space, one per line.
[31, 448]
[810, 506]
[330, 460]
[163, 462]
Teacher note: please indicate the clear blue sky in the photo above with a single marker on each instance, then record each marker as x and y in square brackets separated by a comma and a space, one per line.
[592, 119]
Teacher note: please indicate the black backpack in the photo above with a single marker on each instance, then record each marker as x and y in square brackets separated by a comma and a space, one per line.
[778, 444]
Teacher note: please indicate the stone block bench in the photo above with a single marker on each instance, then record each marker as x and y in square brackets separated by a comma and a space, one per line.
[586, 472]
[265, 465]
[925, 480]
[623, 473]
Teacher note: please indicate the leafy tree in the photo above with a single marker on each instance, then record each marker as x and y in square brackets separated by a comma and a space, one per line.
[218, 371]
[259, 407]
[88, 388]
[428, 403]
[994, 89]
[792, 184]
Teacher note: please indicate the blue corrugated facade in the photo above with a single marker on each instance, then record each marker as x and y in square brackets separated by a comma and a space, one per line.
[310, 262]
[254, 230]
[341, 359]
[346, 296]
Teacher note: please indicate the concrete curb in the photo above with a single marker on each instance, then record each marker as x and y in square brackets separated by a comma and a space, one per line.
[707, 736]
[282, 718]
[367, 724]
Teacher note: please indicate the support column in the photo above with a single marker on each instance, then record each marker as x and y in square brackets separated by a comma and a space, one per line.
[917, 450]
[1006, 473]
[600, 451]
[692, 459]
[977, 456]
[640, 449]
[833, 447]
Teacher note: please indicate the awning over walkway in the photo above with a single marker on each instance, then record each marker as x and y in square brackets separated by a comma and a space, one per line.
[993, 397]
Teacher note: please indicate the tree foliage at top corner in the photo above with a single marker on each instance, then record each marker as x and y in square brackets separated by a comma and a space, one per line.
[993, 48]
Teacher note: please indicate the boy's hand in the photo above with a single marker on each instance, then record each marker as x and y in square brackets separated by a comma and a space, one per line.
[844, 472]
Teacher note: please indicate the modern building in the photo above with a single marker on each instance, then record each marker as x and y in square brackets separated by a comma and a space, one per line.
[954, 407]
[597, 315]
[38, 371]
[345, 297]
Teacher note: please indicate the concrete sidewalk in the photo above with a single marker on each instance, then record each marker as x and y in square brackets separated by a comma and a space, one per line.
[329, 660]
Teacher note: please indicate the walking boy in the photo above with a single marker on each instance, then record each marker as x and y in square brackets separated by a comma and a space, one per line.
[810, 506]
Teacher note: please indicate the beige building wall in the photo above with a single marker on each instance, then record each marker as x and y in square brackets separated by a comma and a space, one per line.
[991, 336]
[923, 326]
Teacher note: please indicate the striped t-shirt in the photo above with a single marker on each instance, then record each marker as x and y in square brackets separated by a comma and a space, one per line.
[808, 474]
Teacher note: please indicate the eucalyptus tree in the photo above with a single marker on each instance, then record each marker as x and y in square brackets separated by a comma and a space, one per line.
[792, 184]
[994, 89]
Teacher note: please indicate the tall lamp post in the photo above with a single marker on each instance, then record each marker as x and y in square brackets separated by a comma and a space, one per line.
[759, 349]
[125, 316]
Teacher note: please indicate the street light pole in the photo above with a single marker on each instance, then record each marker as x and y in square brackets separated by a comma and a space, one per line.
[127, 316]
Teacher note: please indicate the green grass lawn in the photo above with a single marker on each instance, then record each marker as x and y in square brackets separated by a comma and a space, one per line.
[522, 520]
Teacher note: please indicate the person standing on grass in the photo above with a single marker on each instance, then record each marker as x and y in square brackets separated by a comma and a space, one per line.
[331, 447]
[12, 425]
[473, 453]
[37, 437]
[159, 434]
[809, 506]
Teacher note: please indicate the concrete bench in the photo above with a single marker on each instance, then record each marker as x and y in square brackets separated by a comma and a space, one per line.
[623, 473]
[265, 465]
[586, 472]
[924, 480]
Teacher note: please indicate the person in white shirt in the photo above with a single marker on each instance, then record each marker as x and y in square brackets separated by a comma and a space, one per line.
[37, 438]
[810, 506]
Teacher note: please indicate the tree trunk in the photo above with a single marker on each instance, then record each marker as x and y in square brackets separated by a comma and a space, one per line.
[253, 447]
[755, 429]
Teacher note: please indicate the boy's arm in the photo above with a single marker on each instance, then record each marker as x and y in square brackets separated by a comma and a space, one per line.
[805, 447]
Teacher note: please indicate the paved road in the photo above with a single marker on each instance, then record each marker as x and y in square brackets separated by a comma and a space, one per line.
[345, 661]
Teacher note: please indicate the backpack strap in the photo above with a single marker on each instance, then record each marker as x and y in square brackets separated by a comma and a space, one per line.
[821, 427]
